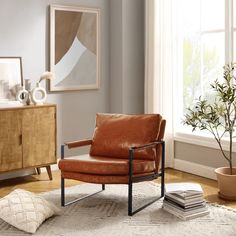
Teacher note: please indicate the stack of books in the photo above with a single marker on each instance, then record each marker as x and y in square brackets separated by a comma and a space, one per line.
[185, 200]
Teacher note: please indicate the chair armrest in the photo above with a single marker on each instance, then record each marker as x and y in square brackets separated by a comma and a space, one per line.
[145, 146]
[79, 143]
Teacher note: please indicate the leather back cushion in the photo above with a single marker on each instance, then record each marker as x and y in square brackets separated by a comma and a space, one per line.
[115, 133]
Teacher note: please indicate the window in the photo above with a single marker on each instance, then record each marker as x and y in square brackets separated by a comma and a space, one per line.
[204, 32]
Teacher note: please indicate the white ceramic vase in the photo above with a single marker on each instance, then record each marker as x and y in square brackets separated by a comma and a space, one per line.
[22, 95]
[42, 92]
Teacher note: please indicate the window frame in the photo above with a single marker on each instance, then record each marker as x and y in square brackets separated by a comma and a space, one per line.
[181, 133]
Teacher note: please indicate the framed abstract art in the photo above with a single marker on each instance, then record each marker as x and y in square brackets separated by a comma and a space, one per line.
[10, 77]
[74, 48]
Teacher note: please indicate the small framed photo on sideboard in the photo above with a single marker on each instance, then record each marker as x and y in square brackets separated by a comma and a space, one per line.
[10, 77]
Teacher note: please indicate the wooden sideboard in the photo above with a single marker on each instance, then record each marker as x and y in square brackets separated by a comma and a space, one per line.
[28, 138]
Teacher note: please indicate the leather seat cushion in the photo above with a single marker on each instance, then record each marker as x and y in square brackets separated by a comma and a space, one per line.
[99, 179]
[99, 165]
[114, 134]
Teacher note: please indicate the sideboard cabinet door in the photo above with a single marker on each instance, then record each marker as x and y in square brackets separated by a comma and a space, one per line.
[10, 140]
[39, 135]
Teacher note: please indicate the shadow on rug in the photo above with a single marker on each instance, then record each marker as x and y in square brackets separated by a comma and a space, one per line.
[106, 214]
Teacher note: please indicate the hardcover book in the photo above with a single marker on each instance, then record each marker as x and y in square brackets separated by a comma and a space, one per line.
[185, 200]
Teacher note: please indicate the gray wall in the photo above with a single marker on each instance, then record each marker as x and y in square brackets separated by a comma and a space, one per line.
[116, 50]
[127, 60]
[24, 27]
[200, 155]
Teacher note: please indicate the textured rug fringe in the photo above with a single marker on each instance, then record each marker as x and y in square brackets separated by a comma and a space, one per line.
[221, 206]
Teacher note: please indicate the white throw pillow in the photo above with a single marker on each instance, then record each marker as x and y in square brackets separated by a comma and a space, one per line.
[25, 210]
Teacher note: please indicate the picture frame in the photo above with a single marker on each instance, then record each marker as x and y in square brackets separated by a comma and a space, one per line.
[74, 48]
[11, 77]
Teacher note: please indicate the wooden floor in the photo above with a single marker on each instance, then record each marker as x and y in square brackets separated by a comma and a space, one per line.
[41, 183]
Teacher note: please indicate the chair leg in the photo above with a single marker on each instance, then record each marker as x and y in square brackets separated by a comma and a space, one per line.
[62, 180]
[131, 178]
[163, 170]
[130, 202]
[162, 183]
[62, 191]
[130, 198]
[63, 203]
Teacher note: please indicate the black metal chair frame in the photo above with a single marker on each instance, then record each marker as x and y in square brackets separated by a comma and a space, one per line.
[132, 179]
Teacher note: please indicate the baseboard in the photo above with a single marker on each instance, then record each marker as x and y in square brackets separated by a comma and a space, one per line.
[194, 168]
[169, 163]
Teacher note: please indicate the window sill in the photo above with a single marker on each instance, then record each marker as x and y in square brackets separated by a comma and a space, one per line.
[200, 139]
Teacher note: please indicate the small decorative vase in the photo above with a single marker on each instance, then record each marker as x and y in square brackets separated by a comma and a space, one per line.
[27, 84]
[22, 95]
[28, 88]
[38, 90]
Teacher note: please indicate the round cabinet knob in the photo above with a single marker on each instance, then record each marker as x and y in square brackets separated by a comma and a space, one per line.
[39, 95]
[22, 95]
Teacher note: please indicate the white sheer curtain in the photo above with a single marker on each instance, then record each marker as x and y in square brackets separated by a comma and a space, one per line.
[159, 72]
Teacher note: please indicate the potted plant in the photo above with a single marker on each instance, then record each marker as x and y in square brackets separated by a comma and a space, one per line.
[219, 117]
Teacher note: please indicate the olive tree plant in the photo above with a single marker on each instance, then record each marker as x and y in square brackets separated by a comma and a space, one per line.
[217, 117]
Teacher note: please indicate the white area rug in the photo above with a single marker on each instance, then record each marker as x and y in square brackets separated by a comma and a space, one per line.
[106, 214]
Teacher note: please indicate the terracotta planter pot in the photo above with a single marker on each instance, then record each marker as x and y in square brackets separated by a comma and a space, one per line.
[226, 183]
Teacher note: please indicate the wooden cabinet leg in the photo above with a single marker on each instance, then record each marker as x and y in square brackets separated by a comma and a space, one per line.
[38, 170]
[49, 172]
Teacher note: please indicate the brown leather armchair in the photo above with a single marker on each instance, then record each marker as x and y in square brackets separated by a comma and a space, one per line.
[125, 149]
